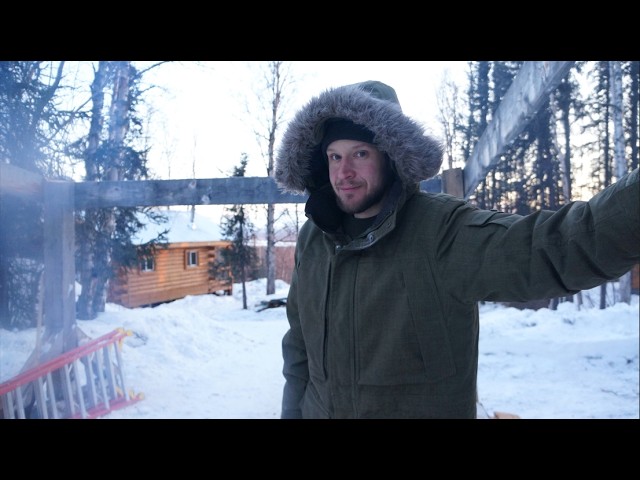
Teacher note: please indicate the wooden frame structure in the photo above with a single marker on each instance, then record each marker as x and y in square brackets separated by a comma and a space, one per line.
[528, 92]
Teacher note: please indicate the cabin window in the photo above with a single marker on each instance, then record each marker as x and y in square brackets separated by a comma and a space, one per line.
[147, 264]
[192, 258]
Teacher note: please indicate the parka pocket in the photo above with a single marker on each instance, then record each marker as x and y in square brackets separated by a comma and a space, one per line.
[313, 318]
[312, 407]
[404, 341]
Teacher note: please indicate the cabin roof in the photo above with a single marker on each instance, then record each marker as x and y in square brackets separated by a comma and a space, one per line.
[182, 228]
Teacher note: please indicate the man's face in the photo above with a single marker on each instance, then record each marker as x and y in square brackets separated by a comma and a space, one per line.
[357, 171]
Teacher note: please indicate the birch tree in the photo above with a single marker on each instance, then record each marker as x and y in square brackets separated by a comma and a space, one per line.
[276, 83]
[112, 152]
[620, 162]
[450, 118]
[88, 219]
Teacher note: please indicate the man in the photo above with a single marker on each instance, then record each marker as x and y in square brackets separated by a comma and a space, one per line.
[383, 299]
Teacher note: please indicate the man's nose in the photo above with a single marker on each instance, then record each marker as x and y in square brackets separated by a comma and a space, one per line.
[345, 169]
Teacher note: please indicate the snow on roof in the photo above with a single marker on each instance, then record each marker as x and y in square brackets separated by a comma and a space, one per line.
[181, 228]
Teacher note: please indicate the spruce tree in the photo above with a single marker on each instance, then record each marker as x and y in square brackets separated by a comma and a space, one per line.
[237, 227]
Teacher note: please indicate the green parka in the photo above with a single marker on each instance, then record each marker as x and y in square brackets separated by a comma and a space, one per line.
[386, 325]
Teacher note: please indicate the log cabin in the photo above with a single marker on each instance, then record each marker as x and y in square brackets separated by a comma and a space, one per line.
[180, 269]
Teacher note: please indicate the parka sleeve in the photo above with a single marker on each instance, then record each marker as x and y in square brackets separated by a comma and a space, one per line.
[506, 257]
[294, 354]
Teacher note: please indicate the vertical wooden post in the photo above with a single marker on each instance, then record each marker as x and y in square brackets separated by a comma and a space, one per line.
[453, 182]
[59, 262]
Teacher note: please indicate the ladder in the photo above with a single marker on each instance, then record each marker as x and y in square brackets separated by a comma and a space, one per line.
[86, 382]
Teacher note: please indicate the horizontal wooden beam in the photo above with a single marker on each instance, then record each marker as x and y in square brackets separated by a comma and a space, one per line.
[16, 181]
[26, 185]
[211, 191]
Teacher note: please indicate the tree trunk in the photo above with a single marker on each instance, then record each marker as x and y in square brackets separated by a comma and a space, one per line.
[87, 226]
[624, 292]
[606, 82]
[271, 251]
[603, 296]
[276, 82]
[634, 103]
[118, 128]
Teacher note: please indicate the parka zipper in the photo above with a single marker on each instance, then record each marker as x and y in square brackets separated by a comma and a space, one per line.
[325, 308]
[354, 363]
[352, 314]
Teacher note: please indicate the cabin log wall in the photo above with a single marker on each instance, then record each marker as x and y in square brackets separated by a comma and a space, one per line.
[171, 278]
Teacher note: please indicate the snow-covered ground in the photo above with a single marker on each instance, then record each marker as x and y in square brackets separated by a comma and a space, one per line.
[205, 357]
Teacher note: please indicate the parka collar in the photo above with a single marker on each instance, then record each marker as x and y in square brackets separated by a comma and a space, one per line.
[322, 209]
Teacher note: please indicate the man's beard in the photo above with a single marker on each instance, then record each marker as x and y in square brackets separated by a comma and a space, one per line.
[366, 203]
[370, 200]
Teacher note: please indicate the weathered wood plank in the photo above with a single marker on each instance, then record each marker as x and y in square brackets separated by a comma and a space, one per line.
[212, 191]
[530, 89]
[20, 182]
[59, 262]
[452, 182]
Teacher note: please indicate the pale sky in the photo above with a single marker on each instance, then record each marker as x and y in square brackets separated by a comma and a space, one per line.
[201, 116]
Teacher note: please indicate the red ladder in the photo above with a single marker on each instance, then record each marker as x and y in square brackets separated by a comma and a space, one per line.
[86, 382]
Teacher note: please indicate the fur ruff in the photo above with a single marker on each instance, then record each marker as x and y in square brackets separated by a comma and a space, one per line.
[415, 155]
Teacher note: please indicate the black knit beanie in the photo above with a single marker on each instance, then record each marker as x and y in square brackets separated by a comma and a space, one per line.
[342, 129]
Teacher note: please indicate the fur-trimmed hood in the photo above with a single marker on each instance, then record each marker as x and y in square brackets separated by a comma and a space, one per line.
[301, 166]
